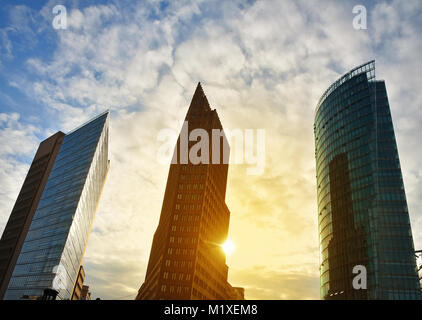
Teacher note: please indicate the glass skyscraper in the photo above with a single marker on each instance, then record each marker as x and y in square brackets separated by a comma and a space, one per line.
[57, 237]
[362, 210]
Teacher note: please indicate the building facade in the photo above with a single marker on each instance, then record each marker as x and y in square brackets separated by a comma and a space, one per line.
[86, 294]
[186, 260]
[362, 210]
[79, 284]
[55, 242]
[418, 254]
[23, 211]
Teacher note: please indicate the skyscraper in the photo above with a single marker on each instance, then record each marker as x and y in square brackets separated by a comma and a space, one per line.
[23, 211]
[362, 210]
[186, 260]
[74, 168]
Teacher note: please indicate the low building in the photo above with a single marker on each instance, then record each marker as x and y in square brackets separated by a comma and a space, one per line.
[86, 294]
[419, 265]
[79, 284]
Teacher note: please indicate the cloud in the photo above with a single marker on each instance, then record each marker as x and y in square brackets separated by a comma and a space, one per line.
[262, 283]
[18, 141]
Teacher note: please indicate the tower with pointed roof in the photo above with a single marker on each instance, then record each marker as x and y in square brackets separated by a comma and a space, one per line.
[186, 260]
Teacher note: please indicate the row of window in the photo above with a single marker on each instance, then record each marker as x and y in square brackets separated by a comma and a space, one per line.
[178, 263]
[192, 177]
[189, 197]
[185, 240]
[190, 207]
[179, 251]
[175, 289]
[177, 276]
[189, 186]
[186, 217]
[183, 228]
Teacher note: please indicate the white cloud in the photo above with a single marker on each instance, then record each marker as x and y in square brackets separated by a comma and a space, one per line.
[17, 140]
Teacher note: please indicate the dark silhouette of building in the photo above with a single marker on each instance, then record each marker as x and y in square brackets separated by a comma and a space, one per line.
[23, 211]
[49, 294]
[362, 210]
[45, 238]
[186, 260]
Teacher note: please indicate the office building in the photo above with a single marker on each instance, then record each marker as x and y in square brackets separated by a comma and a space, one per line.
[55, 211]
[27, 202]
[362, 210]
[186, 260]
[86, 294]
[79, 283]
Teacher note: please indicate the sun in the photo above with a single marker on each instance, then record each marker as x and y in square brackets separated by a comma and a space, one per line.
[228, 247]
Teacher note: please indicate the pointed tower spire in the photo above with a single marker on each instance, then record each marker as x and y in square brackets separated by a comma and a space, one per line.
[199, 101]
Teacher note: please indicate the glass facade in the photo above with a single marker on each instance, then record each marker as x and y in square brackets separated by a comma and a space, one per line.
[362, 210]
[56, 241]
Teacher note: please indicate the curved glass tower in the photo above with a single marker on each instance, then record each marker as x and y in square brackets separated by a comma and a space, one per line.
[362, 210]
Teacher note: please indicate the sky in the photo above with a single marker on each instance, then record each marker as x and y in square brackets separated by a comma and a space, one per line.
[262, 65]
